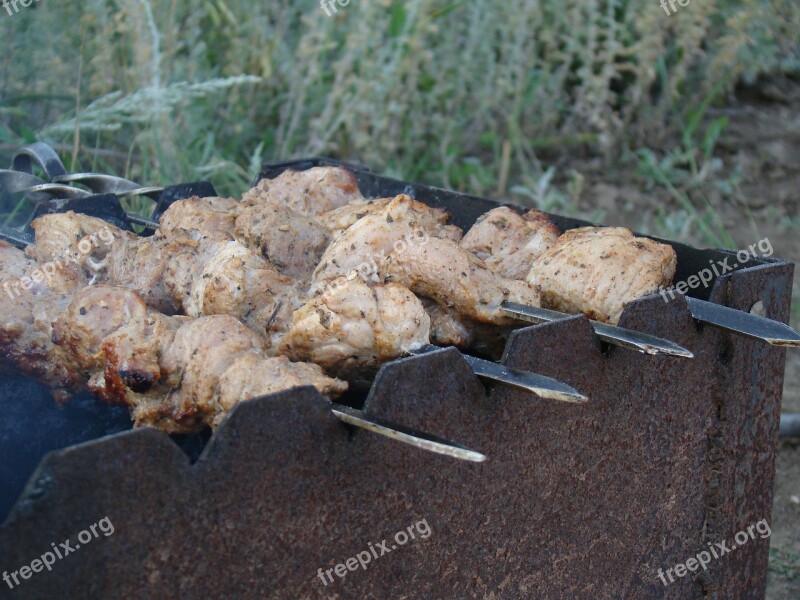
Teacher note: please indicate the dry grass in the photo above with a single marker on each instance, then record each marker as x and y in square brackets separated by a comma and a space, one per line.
[425, 89]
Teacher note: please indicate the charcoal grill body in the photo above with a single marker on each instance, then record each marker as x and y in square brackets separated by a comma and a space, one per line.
[574, 501]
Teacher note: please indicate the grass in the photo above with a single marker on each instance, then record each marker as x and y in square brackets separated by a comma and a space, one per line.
[427, 89]
[487, 98]
[784, 563]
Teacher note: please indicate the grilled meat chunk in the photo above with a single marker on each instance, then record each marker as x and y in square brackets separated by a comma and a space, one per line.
[29, 304]
[233, 280]
[456, 279]
[352, 327]
[115, 340]
[250, 376]
[197, 273]
[103, 253]
[200, 218]
[207, 365]
[400, 223]
[310, 192]
[293, 243]
[509, 242]
[448, 328]
[393, 244]
[75, 241]
[168, 370]
[598, 270]
[139, 264]
[338, 220]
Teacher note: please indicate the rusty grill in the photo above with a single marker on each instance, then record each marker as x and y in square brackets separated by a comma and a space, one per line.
[575, 500]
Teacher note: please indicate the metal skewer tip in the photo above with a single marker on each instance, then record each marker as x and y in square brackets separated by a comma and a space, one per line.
[419, 439]
[737, 321]
[545, 387]
[618, 336]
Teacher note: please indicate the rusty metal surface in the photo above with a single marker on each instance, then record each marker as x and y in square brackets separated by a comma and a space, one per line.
[581, 501]
[574, 501]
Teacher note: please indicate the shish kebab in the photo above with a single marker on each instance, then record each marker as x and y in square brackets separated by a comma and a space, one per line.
[210, 272]
[578, 269]
[359, 209]
[593, 270]
[761, 328]
[271, 199]
[588, 269]
[175, 373]
[327, 187]
[472, 292]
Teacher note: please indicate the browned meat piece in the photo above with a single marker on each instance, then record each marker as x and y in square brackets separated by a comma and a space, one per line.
[200, 218]
[455, 278]
[193, 273]
[250, 376]
[25, 276]
[169, 370]
[200, 353]
[448, 328]
[353, 327]
[598, 270]
[399, 223]
[292, 242]
[93, 314]
[509, 242]
[212, 364]
[235, 281]
[103, 253]
[311, 192]
[115, 340]
[340, 219]
[139, 264]
[32, 295]
[394, 245]
[74, 241]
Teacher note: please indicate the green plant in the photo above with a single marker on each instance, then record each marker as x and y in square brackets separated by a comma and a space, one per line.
[162, 91]
[784, 563]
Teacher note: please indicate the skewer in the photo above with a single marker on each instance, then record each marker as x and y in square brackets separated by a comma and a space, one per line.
[790, 425]
[619, 336]
[37, 190]
[100, 183]
[747, 324]
[545, 387]
[418, 439]
[15, 181]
